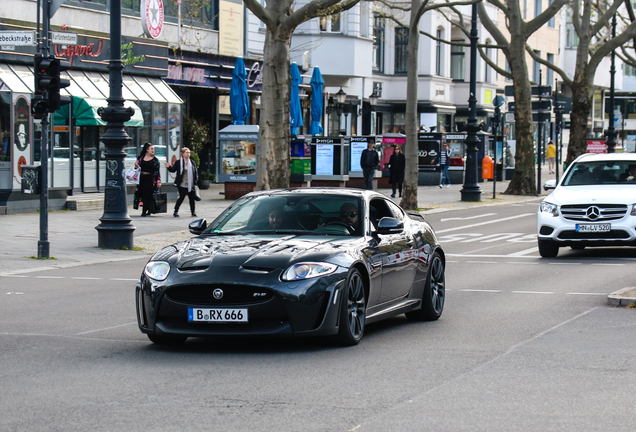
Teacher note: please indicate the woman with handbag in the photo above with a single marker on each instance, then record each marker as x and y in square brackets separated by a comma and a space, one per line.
[149, 178]
[186, 180]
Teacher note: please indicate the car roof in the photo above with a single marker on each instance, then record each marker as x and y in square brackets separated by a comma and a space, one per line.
[320, 191]
[604, 157]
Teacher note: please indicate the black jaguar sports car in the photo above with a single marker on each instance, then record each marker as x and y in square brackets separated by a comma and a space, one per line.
[294, 262]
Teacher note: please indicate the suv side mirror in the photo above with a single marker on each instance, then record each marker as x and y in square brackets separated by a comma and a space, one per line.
[389, 225]
[197, 226]
[550, 184]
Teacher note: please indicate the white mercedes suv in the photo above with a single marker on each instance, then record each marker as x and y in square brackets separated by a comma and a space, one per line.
[594, 204]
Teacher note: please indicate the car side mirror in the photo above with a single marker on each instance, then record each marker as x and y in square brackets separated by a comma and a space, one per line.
[390, 225]
[550, 184]
[197, 226]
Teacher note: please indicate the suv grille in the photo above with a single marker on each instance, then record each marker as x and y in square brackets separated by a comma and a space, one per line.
[594, 212]
[232, 294]
[611, 235]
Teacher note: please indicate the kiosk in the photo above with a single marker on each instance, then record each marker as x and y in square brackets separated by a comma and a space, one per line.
[329, 161]
[386, 151]
[457, 148]
[300, 175]
[429, 146]
[237, 153]
[358, 145]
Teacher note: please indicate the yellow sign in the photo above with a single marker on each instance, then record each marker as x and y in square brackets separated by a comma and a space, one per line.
[224, 104]
[231, 28]
[488, 97]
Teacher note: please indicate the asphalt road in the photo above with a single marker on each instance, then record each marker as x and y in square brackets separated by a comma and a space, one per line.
[524, 344]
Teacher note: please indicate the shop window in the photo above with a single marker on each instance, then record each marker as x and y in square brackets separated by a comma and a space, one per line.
[146, 131]
[401, 42]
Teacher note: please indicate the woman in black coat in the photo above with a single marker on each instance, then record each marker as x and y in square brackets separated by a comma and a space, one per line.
[187, 178]
[397, 164]
[149, 179]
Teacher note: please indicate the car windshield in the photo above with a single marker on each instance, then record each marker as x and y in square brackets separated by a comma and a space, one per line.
[314, 214]
[600, 173]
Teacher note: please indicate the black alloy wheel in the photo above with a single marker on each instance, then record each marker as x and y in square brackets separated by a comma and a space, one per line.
[353, 310]
[434, 292]
[167, 340]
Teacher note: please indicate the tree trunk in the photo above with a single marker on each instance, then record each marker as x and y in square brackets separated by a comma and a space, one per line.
[581, 109]
[523, 181]
[409, 192]
[273, 162]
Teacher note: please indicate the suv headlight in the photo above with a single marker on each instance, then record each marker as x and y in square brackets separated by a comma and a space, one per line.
[157, 270]
[549, 208]
[633, 212]
[308, 270]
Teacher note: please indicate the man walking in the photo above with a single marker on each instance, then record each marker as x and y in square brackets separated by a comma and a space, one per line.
[369, 161]
[444, 162]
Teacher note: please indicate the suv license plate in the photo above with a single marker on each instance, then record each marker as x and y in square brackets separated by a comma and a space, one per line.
[217, 315]
[593, 228]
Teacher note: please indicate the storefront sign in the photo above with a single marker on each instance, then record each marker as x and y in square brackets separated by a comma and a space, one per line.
[255, 75]
[231, 28]
[152, 17]
[178, 72]
[79, 50]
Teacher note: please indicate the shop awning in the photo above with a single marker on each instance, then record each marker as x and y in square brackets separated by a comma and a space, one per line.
[85, 113]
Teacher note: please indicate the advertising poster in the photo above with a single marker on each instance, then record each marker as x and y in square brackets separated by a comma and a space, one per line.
[324, 159]
[22, 137]
[174, 136]
[596, 146]
[429, 146]
[358, 145]
[231, 28]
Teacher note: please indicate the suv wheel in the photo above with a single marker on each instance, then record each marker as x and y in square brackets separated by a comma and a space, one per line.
[548, 249]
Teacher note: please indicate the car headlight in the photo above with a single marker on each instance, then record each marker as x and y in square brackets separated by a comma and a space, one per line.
[549, 208]
[308, 270]
[633, 212]
[157, 270]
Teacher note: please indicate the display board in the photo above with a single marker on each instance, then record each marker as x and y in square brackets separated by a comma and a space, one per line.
[429, 145]
[330, 158]
[237, 153]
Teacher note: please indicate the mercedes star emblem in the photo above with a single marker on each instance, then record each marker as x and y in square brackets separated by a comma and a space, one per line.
[593, 213]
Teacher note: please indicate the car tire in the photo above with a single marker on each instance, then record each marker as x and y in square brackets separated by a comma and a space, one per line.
[353, 308]
[434, 293]
[548, 249]
[167, 340]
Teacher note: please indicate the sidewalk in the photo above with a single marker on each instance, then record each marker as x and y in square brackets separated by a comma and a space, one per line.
[73, 238]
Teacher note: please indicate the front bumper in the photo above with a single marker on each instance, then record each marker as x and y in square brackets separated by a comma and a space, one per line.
[563, 232]
[302, 308]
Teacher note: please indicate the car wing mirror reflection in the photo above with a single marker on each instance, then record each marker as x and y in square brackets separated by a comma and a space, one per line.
[197, 226]
[390, 225]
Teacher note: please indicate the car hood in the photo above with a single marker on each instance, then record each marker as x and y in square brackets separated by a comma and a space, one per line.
[604, 194]
[256, 252]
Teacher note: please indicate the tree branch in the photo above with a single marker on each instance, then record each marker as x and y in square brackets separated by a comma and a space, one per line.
[537, 22]
[557, 69]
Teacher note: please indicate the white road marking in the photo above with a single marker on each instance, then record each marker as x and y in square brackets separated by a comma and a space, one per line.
[533, 292]
[519, 262]
[608, 264]
[122, 279]
[485, 223]
[85, 278]
[106, 328]
[592, 294]
[483, 262]
[13, 276]
[488, 256]
[50, 277]
[524, 252]
[478, 290]
[564, 263]
[467, 217]
[493, 237]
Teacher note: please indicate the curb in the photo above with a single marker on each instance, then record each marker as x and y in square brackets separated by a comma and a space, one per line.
[622, 297]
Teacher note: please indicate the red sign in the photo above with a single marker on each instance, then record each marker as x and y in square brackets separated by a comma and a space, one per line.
[152, 17]
[178, 72]
[596, 146]
[73, 51]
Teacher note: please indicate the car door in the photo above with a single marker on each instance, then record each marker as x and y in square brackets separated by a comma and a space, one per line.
[394, 250]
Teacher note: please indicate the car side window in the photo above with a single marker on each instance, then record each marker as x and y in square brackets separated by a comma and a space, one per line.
[379, 208]
[397, 212]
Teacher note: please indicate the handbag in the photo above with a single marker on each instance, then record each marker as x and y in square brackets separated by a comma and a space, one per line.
[132, 174]
[161, 202]
[197, 193]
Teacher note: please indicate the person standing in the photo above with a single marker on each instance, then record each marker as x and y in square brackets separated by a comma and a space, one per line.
[369, 160]
[444, 162]
[187, 177]
[149, 178]
[397, 164]
[550, 154]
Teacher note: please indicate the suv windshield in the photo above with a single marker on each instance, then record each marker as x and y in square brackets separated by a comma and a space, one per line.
[297, 213]
[599, 173]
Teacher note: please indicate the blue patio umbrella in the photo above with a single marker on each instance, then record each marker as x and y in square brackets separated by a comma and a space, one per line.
[316, 102]
[295, 112]
[239, 101]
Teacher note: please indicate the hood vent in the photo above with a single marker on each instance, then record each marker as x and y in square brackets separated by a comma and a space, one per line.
[260, 270]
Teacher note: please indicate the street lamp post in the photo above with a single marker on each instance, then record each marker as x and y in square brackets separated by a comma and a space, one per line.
[115, 230]
[611, 132]
[471, 190]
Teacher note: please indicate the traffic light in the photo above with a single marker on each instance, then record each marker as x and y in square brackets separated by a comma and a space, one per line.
[48, 85]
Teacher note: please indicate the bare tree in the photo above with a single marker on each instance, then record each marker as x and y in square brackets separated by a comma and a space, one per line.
[514, 48]
[273, 162]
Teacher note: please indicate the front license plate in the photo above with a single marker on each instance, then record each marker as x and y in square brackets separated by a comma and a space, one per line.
[217, 315]
[593, 228]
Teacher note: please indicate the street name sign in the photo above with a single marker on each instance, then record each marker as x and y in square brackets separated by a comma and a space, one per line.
[63, 38]
[16, 38]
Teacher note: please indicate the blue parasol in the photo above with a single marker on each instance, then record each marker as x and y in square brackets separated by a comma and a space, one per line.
[316, 102]
[295, 112]
[239, 101]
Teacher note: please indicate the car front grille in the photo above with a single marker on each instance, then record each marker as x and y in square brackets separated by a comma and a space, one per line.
[599, 212]
[254, 325]
[203, 294]
[611, 235]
